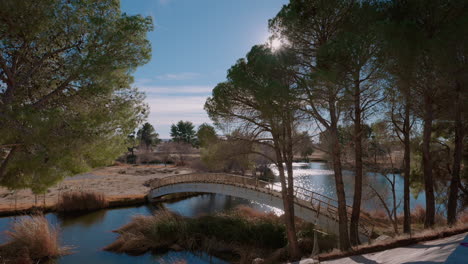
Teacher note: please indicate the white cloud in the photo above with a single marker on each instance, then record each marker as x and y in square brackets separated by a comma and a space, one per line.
[171, 103]
[182, 104]
[173, 90]
[178, 76]
[168, 110]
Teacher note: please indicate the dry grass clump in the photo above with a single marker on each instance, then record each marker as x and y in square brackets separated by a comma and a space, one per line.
[418, 214]
[378, 214]
[250, 213]
[148, 232]
[81, 201]
[463, 217]
[31, 239]
[241, 235]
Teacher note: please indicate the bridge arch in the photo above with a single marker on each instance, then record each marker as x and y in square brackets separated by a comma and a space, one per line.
[308, 205]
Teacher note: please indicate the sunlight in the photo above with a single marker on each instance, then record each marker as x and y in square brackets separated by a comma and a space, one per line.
[275, 44]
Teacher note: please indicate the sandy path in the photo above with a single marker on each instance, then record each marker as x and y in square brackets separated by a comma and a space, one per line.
[116, 182]
[435, 251]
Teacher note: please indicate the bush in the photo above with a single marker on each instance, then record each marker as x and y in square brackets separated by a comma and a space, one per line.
[81, 201]
[418, 215]
[31, 238]
[242, 233]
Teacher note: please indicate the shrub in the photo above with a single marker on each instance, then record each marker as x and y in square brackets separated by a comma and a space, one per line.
[418, 215]
[463, 217]
[242, 234]
[81, 201]
[378, 214]
[32, 238]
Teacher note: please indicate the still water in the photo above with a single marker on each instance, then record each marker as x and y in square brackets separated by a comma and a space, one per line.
[317, 177]
[90, 232]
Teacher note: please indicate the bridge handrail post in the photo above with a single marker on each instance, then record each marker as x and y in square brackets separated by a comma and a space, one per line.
[318, 208]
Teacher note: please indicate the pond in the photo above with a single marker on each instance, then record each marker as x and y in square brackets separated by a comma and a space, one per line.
[318, 177]
[90, 232]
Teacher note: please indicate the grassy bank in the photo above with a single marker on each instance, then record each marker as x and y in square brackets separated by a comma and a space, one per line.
[238, 236]
[30, 240]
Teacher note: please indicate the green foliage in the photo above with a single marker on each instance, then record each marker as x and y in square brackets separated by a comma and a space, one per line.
[147, 135]
[227, 155]
[66, 102]
[184, 132]
[206, 135]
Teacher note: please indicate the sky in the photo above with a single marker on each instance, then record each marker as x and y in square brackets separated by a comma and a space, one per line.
[194, 43]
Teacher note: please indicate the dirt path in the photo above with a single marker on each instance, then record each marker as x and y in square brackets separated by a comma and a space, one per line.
[116, 182]
[445, 250]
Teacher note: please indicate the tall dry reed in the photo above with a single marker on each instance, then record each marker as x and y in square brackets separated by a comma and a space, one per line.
[31, 238]
[81, 201]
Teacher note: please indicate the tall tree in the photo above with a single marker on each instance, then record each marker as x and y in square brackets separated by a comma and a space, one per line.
[453, 58]
[308, 26]
[184, 132]
[260, 97]
[355, 53]
[428, 21]
[148, 136]
[206, 135]
[65, 98]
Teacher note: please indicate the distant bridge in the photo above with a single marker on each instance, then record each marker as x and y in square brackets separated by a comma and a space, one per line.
[308, 205]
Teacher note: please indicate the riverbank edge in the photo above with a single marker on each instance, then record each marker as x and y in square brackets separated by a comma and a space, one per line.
[402, 242]
[113, 202]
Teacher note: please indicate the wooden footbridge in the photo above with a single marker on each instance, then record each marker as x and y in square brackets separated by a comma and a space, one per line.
[308, 205]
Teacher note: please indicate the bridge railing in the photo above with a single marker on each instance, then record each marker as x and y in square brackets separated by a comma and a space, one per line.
[322, 204]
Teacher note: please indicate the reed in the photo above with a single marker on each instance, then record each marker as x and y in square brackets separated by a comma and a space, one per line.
[240, 235]
[81, 201]
[31, 238]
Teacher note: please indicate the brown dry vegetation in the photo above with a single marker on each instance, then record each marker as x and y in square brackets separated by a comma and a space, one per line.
[239, 236]
[81, 201]
[418, 216]
[121, 183]
[30, 239]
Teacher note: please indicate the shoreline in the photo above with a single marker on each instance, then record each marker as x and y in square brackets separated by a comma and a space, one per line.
[121, 184]
[113, 202]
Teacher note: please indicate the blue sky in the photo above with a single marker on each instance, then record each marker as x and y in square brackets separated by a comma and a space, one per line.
[194, 43]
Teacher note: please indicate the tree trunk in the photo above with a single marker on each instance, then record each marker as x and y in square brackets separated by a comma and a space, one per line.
[3, 165]
[427, 161]
[340, 192]
[457, 156]
[288, 151]
[406, 168]
[356, 212]
[288, 205]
